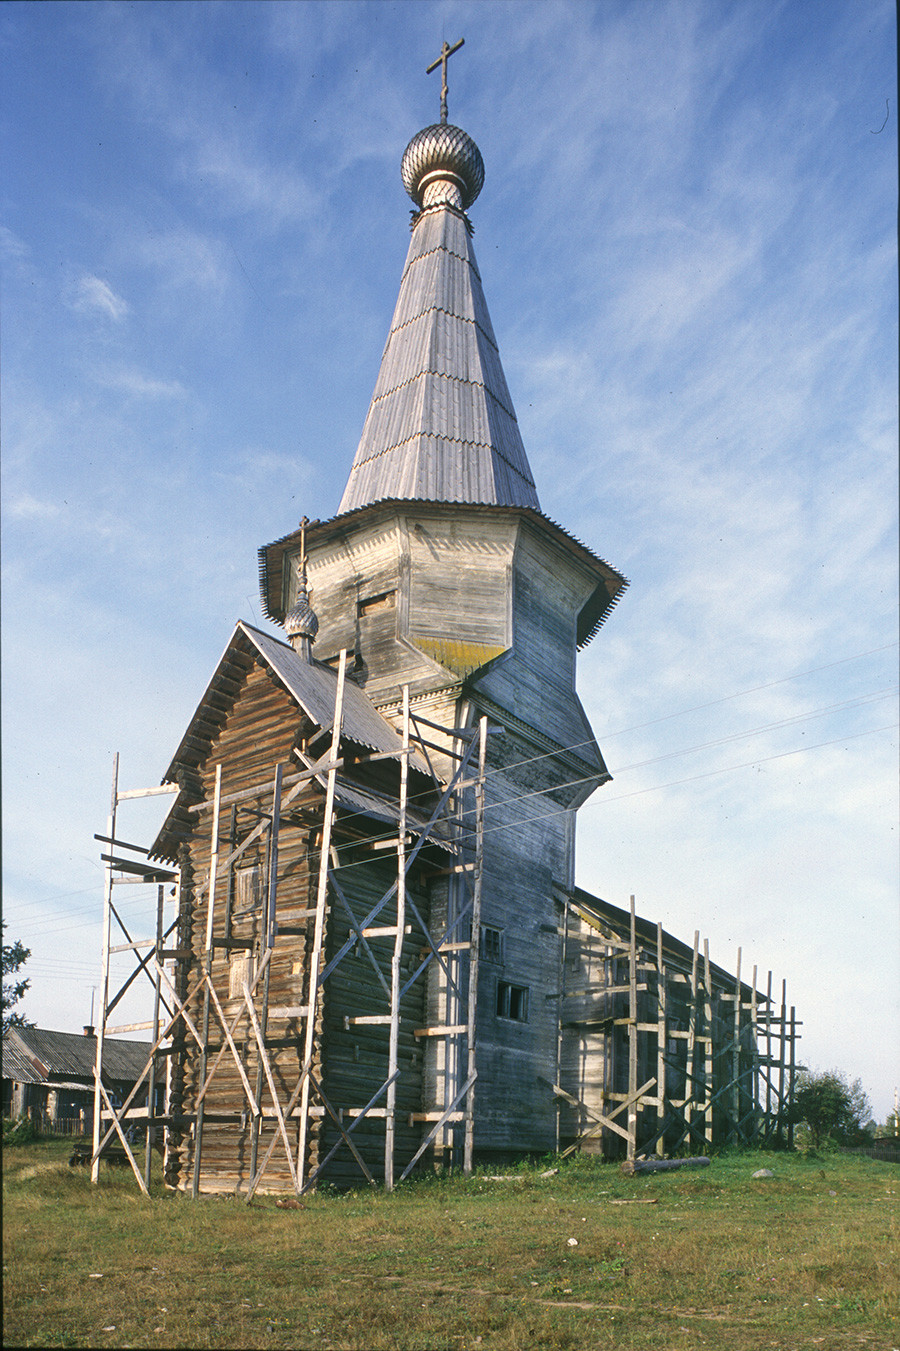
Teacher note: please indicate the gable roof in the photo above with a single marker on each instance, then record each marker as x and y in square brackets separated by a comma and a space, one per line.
[61, 1055]
[441, 425]
[312, 686]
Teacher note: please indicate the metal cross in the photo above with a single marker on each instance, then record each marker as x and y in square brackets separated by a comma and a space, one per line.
[303, 524]
[446, 51]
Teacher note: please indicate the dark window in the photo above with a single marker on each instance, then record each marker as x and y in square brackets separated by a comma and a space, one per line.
[512, 1002]
[491, 944]
[371, 605]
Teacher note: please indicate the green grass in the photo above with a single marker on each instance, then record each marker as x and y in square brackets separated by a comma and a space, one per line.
[807, 1258]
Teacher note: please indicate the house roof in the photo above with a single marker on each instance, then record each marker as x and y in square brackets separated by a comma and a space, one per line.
[441, 425]
[37, 1055]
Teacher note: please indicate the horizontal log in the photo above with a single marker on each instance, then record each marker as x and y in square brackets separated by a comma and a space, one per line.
[632, 1166]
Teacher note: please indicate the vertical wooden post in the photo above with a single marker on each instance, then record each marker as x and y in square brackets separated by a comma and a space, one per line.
[475, 951]
[791, 1073]
[662, 1033]
[691, 1081]
[207, 967]
[736, 1055]
[754, 1062]
[151, 1080]
[708, 1046]
[315, 960]
[397, 956]
[782, 1041]
[267, 936]
[272, 880]
[768, 1118]
[104, 975]
[632, 1040]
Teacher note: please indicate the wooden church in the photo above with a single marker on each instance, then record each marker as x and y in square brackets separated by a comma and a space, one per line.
[382, 962]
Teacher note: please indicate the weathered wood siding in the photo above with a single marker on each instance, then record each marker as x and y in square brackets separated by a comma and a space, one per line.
[355, 1057]
[478, 612]
[259, 733]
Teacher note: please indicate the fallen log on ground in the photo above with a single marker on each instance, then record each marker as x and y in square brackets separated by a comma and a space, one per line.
[632, 1166]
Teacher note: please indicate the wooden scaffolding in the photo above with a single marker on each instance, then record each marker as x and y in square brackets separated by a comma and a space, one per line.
[685, 1055]
[188, 1011]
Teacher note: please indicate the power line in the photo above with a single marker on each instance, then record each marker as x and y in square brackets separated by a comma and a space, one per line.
[754, 689]
[723, 741]
[506, 769]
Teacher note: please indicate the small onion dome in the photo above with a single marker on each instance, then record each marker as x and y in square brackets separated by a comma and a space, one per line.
[440, 153]
[301, 620]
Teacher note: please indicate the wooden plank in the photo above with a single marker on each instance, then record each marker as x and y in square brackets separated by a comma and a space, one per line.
[400, 930]
[661, 1039]
[475, 954]
[321, 894]
[435, 1116]
[632, 1038]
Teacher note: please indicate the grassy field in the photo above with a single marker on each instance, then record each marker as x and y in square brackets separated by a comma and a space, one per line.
[585, 1258]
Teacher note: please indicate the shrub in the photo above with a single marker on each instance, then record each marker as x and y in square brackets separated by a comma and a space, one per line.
[18, 1131]
[829, 1110]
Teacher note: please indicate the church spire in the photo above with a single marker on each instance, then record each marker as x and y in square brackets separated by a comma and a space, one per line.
[441, 425]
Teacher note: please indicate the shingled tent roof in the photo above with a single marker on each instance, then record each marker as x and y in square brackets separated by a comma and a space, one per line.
[441, 425]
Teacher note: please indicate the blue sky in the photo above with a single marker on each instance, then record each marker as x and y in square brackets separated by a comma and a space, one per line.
[687, 241]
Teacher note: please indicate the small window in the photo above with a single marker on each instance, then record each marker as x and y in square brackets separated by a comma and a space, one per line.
[371, 605]
[512, 1002]
[242, 969]
[491, 944]
[250, 885]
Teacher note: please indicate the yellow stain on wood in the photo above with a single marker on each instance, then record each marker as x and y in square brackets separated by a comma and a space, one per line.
[459, 657]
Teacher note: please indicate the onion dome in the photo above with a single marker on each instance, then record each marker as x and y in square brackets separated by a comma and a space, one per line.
[442, 154]
[301, 623]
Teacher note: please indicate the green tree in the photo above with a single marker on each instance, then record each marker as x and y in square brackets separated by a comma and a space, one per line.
[15, 955]
[832, 1108]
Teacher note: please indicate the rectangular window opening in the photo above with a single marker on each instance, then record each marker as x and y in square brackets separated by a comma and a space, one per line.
[369, 605]
[241, 970]
[491, 944]
[249, 890]
[512, 1002]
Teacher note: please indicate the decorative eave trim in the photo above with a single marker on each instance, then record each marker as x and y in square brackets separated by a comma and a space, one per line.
[593, 614]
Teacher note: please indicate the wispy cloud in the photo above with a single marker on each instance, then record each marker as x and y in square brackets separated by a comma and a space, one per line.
[185, 259]
[93, 295]
[136, 383]
[23, 506]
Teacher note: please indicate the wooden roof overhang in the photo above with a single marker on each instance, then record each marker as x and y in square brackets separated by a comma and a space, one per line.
[674, 949]
[273, 557]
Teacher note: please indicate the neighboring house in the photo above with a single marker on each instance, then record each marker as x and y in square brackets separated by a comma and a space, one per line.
[49, 1076]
